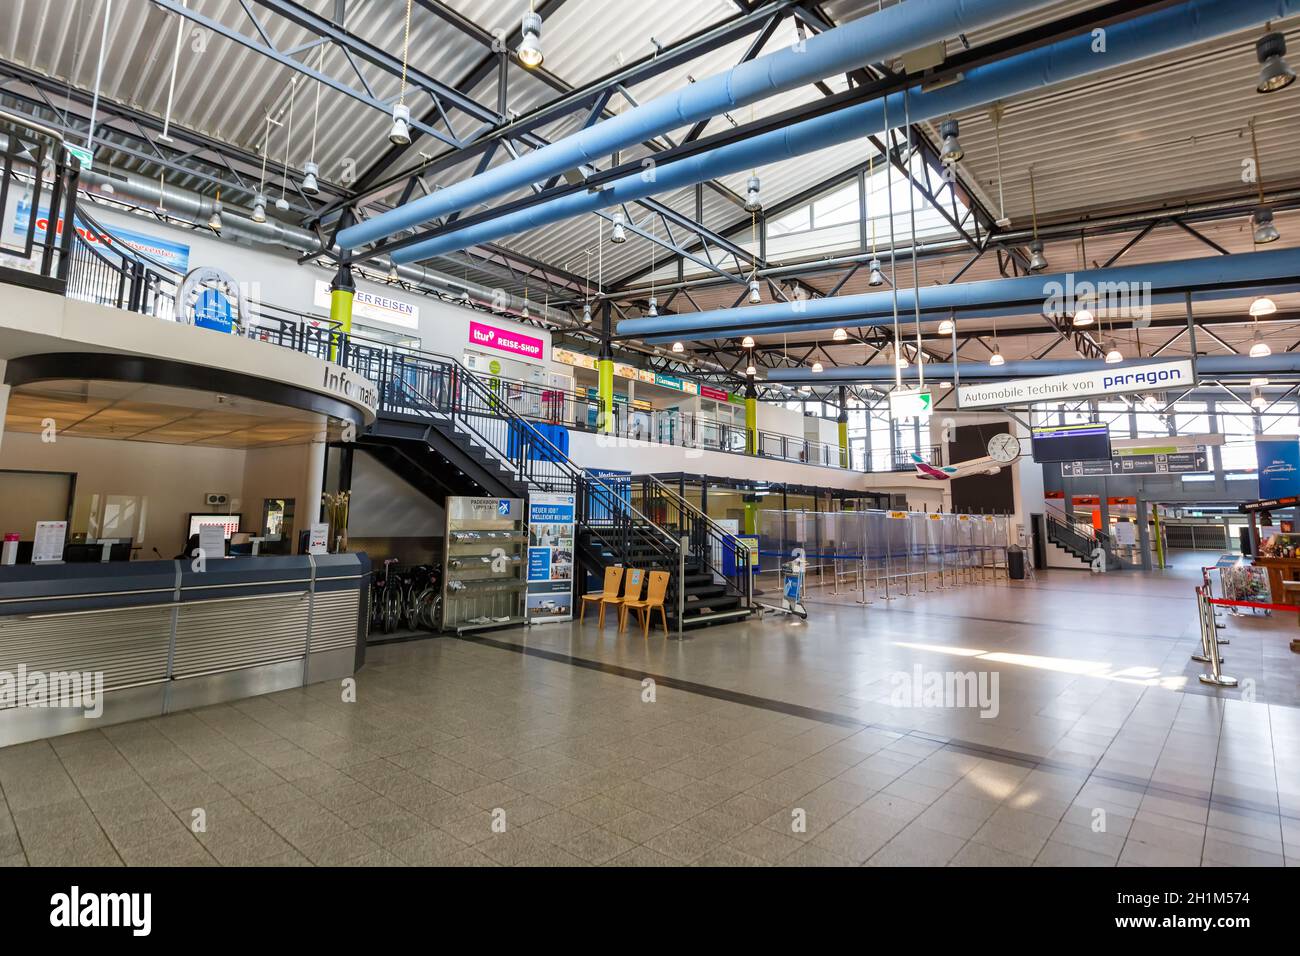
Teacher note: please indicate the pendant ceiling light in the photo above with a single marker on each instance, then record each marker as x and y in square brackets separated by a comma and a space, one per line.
[1258, 347]
[945, 384]
[817, 368]
[530, 50]
[1258, 382]
[747, 342]
[900, 360]
[214, 221]
[586, 313]
[877, 277]
[1262, 221]
[754, 194]
[950, 152]
[652, 309]
[1113, 355]
[400, 133]
[947, 327]
[806, 389]
[393, 277]
[259, 208]
[1037, 261]
[619, 234]
[755, 293]
[1083, 318]
[996, 358]
[1262, 306]
[840, 335]
[309, 183]
[1274, 72]
[750, 370]
[679, 348]
[1257, 400]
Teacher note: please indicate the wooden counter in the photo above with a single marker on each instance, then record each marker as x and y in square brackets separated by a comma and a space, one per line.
[1279, 570]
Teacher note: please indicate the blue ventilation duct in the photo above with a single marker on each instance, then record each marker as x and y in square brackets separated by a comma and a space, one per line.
[879, 36]
[1120, 287]
[1283, 363]
[1128, 42]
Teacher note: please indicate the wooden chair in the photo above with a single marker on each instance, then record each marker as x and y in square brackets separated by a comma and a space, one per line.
[654, 599]
[631, 591]
[613, 578]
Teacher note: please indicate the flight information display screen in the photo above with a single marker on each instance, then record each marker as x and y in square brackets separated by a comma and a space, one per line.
[1087, 442]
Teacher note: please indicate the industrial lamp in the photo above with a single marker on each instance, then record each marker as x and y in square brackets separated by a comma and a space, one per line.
[400, 134]
[259, 208]
[947, 327]
[753, 195]
[817, 368]
[996, 358]
[679, 348]
[530, 50]
[1262, 306]
[877, 277]
[840, 335]
[1258, 347]
[1113, 355]
[950, 151]
[1274, 72]
[747, 342]
[309, 184]
[619, 235]
[1265, 231]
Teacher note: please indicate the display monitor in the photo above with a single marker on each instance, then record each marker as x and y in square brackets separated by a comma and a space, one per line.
[1086, 442]
[229, 522]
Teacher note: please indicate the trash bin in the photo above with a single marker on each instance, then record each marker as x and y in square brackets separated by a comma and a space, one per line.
[1016, 563]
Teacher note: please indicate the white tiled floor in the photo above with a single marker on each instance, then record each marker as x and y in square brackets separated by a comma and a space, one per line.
[765, 743]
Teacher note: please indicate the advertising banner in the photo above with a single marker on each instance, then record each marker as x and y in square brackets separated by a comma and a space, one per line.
[174, 255]
[525, 347]
[551, 522]
[373, 306]
[1278, 458]
[1156, 376]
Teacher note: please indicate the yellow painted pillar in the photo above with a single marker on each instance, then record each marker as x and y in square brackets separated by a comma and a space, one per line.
[342, 292]
[844, 427]
[605, 394]
[751, 517]
[751, 419]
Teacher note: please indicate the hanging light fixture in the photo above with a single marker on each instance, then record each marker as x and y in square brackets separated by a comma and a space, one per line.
[945, 384]
[309, 184]
[1257, 400]
[750, 370]
[1258, 347]
[1262, 306]
[877, 277]
[1274, 72]
[1083, 318]
[996, 358]
[618, 235]
[1262, 220]
[900, 360]
[805, 389]
[214, 221]
[754, 194]
[586, 313]
[1258, 382]
[1265, 231]
[652, 308]
[530, 50]
[679, 348]
[747, 342]
[393, 277]
[1037, 261]
[755, 293]
[400, 134]
[950, 152]
[817, 368]
[947, 327]
[1113, 355]
[840, 335]
[259, 208]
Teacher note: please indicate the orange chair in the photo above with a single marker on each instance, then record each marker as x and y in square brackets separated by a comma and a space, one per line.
[654, 600]
[613, 578]
[631, 591]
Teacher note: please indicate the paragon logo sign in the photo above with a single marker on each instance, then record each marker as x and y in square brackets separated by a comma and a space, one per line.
[1027, 391]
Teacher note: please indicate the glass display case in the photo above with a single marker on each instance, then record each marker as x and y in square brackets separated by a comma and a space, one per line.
[484, 564]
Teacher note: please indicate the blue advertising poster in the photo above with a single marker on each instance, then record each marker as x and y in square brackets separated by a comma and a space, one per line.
[550, 557]
[174, 255]
[212, 310]
[1278, 459]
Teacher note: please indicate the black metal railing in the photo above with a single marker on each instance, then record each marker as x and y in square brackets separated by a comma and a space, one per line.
[38, 179]
[709, 546]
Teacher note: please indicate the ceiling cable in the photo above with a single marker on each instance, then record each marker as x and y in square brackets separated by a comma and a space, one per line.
[893, 260]
[916, 276]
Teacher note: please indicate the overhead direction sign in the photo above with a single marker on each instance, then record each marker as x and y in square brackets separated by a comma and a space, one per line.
[1153, 377]
[910, 403]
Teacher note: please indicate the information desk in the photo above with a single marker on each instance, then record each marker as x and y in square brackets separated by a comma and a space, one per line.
[160, 636]
[1279, 570]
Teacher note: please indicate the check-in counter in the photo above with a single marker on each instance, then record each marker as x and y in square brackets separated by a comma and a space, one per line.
[162, 636]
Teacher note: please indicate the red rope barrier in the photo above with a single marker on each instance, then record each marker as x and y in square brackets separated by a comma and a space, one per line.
[1223, 602]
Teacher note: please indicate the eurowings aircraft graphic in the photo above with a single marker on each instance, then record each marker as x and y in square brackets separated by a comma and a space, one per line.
[1003, 449]
[976, 466]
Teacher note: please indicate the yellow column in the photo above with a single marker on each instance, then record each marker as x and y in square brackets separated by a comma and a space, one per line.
[844, 427]
[342, 292]
[605, 394]
[751, 419]
[751, 517]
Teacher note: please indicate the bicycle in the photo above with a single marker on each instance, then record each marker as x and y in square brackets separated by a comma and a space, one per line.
[386, 597]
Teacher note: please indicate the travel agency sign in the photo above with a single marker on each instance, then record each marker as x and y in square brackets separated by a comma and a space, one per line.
[1157, 376]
